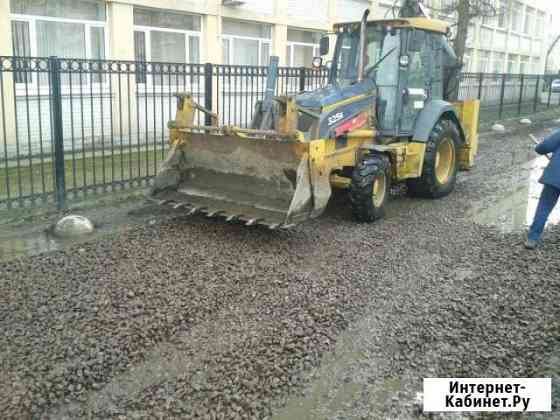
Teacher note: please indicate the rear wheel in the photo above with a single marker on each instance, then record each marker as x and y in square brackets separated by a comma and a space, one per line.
[439, 172]
[369, 189]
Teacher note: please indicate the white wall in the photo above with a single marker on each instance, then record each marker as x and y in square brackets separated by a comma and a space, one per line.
[350, 10]
[309, 10]
[261, 7]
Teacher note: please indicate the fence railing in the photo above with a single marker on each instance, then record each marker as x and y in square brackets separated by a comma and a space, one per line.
[72, 128]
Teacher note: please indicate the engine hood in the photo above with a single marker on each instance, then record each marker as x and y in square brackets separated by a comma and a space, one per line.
[331, 94]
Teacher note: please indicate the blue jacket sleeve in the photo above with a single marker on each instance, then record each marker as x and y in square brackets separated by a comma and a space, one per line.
[550, 144]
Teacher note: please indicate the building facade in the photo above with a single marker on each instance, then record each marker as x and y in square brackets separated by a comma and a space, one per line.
[513, 41]
[217, 31]
[247, 31]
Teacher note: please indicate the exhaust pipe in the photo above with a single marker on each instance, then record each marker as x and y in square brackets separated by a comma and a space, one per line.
[363, 34]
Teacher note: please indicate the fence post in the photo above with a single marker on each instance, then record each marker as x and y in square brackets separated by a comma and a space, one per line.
[208, 91]
[502, 94]
[302, 79]
[521, 94]
[480, 82]
[57, 132]
[535, 105]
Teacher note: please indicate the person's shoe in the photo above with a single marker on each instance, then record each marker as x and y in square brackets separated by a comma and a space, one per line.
[531, 244]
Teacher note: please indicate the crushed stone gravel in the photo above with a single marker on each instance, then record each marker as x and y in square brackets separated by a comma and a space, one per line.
[195, 318]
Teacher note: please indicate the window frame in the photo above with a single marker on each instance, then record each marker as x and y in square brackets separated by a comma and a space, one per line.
[498, 60]
[540, 24]
[484, 61]
[536, 65]
[25, 88]
[529, 21]
[261, 41]
[149, 78]
[519, 13]
[491, 21]
[524, 64]
[513, 61]
[502, 21]
[292, 44]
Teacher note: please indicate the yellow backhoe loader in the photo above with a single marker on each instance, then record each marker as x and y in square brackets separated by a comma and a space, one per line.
[383, 118]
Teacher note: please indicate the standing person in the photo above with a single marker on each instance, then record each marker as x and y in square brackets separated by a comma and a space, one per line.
[551, 188]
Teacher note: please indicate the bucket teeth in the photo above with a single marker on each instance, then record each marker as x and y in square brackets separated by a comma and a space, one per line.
[232, 217]
[214, 213]
[252, 217]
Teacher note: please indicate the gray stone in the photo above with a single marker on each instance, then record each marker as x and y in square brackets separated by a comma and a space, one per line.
[498, 128]
[73, 225]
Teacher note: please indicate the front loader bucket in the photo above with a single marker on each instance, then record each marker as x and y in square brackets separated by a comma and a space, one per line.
[255, 180]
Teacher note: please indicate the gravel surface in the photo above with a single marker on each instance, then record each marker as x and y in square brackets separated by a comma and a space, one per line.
[193, 318]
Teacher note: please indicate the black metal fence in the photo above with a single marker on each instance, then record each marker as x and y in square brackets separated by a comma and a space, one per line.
[71, 128]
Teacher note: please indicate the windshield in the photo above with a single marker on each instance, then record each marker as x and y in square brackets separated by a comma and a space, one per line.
[381, 56]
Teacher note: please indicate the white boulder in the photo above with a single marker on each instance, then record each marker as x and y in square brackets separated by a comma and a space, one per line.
[526, 121]
[498, 128]
[73, 225]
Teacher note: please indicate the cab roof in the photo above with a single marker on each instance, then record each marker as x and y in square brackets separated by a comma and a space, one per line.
[432, 25]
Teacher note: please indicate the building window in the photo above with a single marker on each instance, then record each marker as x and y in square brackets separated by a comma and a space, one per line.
[524, 67]
[499, 59]
[516, 17]
[302, 47]
[21, 45]
[539, 30]
[513, 64]
[245, 43]
[537, 66]
[490, 19]
[67, 9]
[470, 35]
[502, 11]
[62, 28]
[499, 41]
[168, 37]
[486, 36]
[529, 21]
[484, 61]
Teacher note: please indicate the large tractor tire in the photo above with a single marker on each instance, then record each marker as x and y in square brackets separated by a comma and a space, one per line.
[439, 173]
[370, 188]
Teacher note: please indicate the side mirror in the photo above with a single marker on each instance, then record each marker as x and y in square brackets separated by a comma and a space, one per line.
[324, 45]
[417, 41]
[317, 62]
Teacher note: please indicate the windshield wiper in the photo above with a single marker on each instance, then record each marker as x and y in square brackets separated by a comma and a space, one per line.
[381, 59]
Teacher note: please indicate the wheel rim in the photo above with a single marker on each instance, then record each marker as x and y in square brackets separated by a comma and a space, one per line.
[379, 190]
[445, 160]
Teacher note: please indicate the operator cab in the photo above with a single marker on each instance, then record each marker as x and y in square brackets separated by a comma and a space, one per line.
[404, 60]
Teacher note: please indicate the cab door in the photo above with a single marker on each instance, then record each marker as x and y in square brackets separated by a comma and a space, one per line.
[416, 87]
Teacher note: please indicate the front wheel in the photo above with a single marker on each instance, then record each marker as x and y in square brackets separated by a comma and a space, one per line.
[439, 172]
[369, 189]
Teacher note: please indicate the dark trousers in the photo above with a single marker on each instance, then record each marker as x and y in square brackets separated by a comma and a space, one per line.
[549, 198]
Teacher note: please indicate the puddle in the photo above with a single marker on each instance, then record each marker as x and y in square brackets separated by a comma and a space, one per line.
[515, 209]
[17, 241]
[37, 242]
